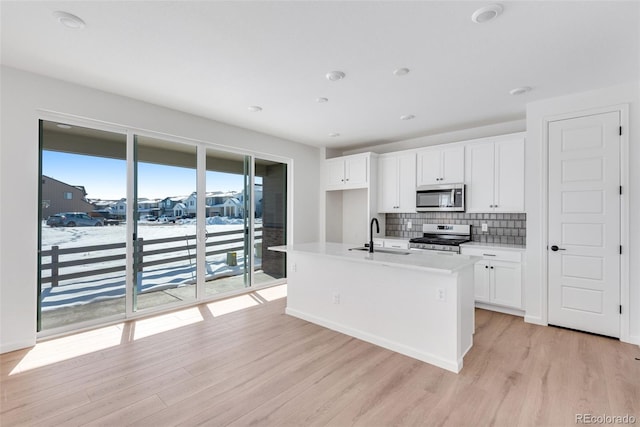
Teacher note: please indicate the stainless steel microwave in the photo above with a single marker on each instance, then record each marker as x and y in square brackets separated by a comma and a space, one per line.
[443, 197]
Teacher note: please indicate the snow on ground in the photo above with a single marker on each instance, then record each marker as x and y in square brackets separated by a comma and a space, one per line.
[169, 275]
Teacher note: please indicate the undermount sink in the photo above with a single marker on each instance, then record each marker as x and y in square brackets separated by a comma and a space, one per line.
[384, 251]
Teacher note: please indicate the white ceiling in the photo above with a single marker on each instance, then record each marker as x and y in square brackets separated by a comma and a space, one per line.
[215, 59]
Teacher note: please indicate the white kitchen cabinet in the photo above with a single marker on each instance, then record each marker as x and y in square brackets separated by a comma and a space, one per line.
[497, 277]
[347, 172]
[482, 281]
[441, 165]
[397, 183]
[351, 198]
[495, 175]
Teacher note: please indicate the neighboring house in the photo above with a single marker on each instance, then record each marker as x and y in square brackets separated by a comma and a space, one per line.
[179, 210]
[167, 204]
[232, 203]
[214, 198]
[104, 205]
[191, 204]
[232, 207]
[58, 196]
[148, 207]
[120, 209]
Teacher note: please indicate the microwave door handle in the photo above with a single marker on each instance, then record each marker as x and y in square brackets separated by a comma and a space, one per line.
[453, 197]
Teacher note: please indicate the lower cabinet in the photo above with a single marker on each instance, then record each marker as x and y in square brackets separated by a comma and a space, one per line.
[498, 276]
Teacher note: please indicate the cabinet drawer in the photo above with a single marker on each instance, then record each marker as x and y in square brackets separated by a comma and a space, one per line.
[493, 254]
[396, 243]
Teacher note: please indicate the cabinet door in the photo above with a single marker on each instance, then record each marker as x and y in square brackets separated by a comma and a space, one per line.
[388, 184]
[334, 173]
[509, 176]
[481, 279]
[452, 165]
[429, 167]
[506, 284]
[407, 183]
[356, 172]
[479, 160]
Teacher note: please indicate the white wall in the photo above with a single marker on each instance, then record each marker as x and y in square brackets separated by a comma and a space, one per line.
[537, 112]
[23, 94]
[445, 138]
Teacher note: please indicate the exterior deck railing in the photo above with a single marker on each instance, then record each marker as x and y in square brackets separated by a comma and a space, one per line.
[55, 265]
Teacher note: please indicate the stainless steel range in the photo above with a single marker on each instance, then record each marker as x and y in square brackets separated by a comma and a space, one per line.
[442, 238]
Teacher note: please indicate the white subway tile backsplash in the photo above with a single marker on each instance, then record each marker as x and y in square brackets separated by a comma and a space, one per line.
[503, 227]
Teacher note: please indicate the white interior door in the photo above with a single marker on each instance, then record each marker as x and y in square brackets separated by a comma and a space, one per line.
[584, 223]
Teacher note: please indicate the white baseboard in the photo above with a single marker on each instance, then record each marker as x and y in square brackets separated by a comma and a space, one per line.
[500, 309]
[633, 339]
[536, 320]
[450, 365]
[13, 346]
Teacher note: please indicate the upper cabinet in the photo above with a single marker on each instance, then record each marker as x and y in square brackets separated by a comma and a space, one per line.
[495, 175]
[397, 183]
[441, 165]
[347, 172]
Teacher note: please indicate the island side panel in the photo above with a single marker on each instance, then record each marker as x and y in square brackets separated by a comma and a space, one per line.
[467, 312]
[396, 308]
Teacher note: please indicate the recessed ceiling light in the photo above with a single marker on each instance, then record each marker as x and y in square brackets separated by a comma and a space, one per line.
[69, 20]
[63, 126]
[407, 117]
[255, 109]
[321, 100]
[334, 76]
[401, 71]
[520, 90]
[487, 13]
[334, 135]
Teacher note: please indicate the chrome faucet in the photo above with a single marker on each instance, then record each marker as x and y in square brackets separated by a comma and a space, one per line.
[371, 233]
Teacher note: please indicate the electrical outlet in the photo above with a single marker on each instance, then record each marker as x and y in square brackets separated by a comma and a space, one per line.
[409, 225]
[336, 298]
[485, 228]
[294, 267]
[442, 294]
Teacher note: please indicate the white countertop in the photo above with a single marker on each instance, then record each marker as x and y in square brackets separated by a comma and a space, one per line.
[420, 260]
[505, 246]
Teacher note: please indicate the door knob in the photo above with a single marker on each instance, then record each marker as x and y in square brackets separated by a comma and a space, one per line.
[555, 248]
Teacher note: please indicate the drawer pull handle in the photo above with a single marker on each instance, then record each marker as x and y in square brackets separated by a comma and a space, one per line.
[489, 254]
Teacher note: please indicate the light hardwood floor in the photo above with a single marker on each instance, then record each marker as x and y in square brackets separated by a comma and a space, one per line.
[243, 362]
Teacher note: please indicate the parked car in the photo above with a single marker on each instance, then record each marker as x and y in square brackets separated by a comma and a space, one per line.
[74, 219]
[149, 218]
[166, 218]
[106, 216]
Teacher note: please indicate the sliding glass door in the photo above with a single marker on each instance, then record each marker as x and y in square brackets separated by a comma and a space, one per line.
[227, 258]
[165, 220]
[133, 223]
[82, 233]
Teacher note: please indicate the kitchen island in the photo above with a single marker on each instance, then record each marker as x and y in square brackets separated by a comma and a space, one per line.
[416, 303]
